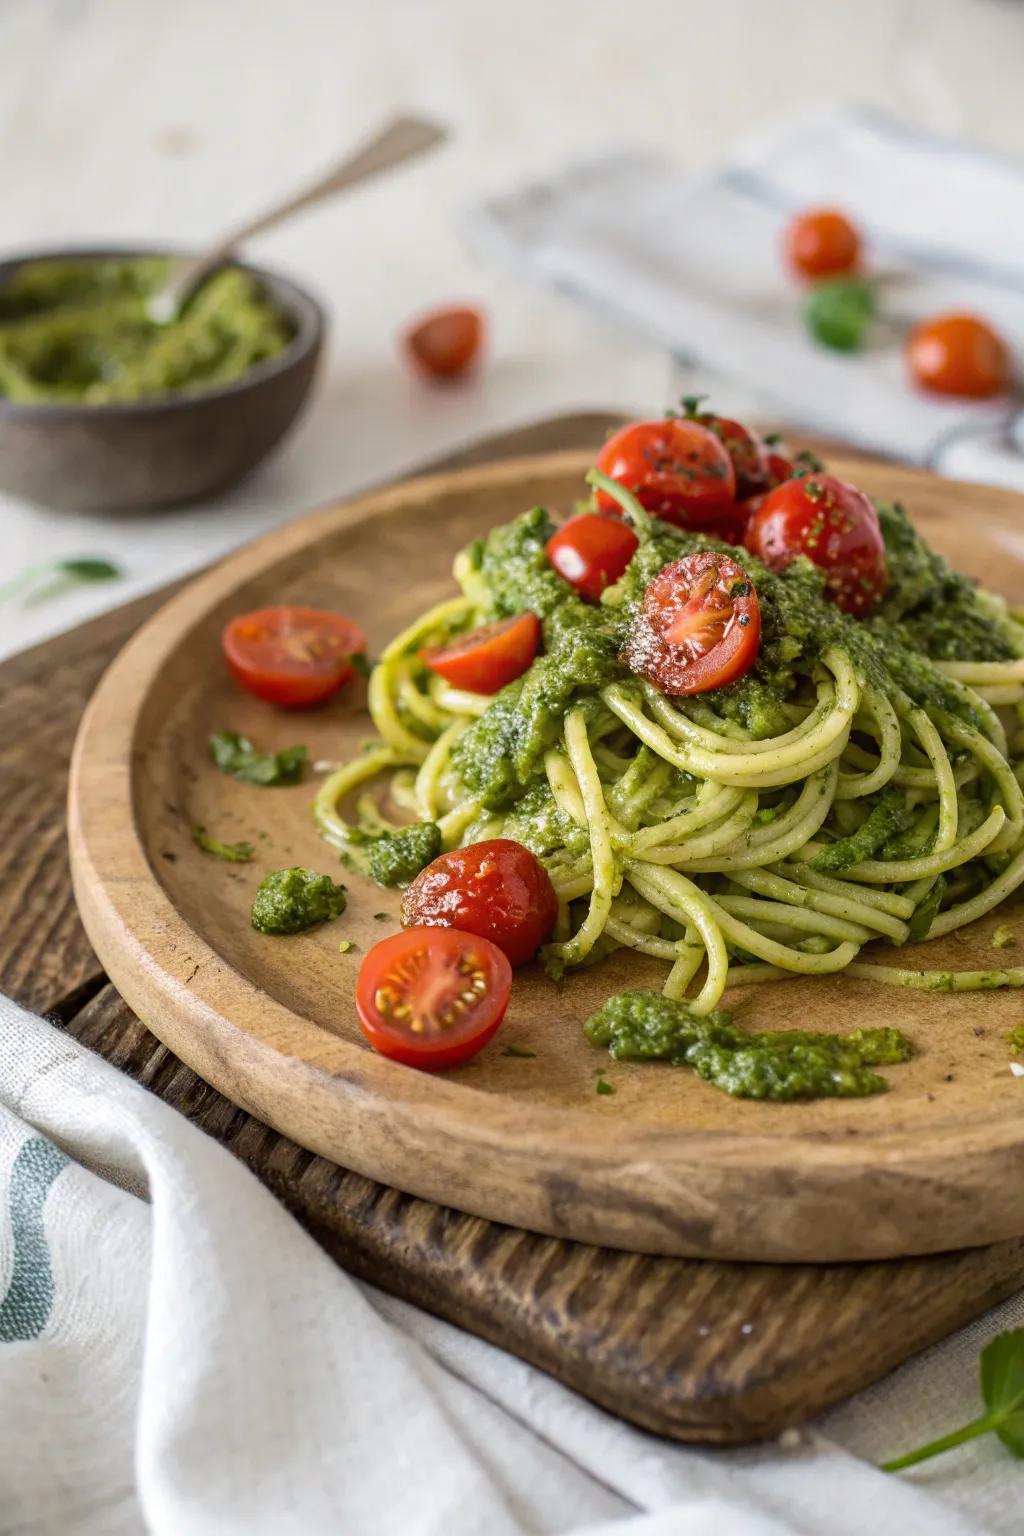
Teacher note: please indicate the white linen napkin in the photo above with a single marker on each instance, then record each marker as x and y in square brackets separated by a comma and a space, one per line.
[695, 264]
[177, 1356]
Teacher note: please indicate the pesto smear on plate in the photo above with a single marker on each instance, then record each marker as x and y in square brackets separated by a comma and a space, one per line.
[76, 331]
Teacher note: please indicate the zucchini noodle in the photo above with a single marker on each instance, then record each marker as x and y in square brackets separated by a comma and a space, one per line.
[870, 815]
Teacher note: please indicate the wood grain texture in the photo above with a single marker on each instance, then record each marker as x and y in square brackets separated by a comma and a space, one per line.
[668, 1165]
[703, 1358]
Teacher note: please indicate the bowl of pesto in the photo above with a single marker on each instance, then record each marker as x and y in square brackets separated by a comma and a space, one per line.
[103, 410]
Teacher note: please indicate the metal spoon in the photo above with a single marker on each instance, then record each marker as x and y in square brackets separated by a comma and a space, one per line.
[402, 139]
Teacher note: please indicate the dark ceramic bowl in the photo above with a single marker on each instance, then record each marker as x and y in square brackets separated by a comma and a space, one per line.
[164, 452]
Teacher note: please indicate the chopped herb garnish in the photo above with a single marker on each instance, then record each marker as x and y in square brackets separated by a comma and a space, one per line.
[235, 853]
[1002, 1390]
[517, 1050]
[604, 1087]
[344, 946]
[236, 755]
[381, 917]
[1003, 937]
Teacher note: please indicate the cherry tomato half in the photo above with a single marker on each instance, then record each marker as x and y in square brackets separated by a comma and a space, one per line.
[591, 552]
[698, 627]
[834, 525]
[486, 659]
[958, 355]
[743, 448]
[677, 469]
[432, 997]
[447, 342]
[293, 657]
[821, 242]
[497, 889]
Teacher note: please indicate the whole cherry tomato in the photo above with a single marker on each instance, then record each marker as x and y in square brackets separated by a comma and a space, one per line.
[821, 242]
[698, 626]
[496, 888]
[432, 997]
[835, 526]
[294, 657]
[486, 659]
[447, 342]
[677, 469]
[958, 354]
[591, 552]
[748, 460]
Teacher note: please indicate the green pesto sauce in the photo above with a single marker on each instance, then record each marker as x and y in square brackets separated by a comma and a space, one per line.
[1016, 1039]
[78, 331]
[781, 1066]
[395, 858]
[929, 610]
[291, 900]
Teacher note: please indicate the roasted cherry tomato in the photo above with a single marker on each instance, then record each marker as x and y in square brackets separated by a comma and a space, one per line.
[677, 469]
[698, 627]
[821, 242]
[958, 355]
[591, 552]
[447, 342]
[294, 657]
[432, 997]
[834, 525]
[486, 659]
[743, 448]
[497, 889]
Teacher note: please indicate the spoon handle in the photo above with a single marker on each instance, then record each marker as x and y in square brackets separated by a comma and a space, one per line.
[401, 139]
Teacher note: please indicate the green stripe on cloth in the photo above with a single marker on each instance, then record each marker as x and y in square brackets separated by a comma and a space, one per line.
[25, 1309]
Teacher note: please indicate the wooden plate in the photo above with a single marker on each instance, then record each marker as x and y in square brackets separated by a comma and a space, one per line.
[665, 1165]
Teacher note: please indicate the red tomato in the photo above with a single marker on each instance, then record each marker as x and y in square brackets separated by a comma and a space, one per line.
[780, 466]
[591, 552]
[834, 525]
[447, 342]
[958, 355]
[432, 997]
[748, 460]
[821, 243]
[677, 469]
[486, 659]
[496, 889]
[698, 628]
[294, 657]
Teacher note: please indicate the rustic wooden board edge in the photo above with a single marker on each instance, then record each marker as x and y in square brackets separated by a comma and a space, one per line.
[666, 1189]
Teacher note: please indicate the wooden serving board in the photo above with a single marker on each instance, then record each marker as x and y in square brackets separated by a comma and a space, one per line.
[700, 1351]
[665, 1165]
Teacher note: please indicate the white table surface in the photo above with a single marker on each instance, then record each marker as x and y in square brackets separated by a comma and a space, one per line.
[150, 120]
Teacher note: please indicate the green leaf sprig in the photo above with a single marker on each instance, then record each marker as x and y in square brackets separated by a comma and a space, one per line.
[236, 755]
[1001, 1370]
[838, 313]
[51, 577]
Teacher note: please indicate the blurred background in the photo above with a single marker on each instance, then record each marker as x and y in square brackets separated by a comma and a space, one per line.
[141, 120]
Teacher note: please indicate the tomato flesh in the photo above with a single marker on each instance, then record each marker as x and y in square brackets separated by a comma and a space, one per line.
[677, 469]
[293, 657]
[958, 354]
[698, 627]
[447, 342]
[486, 659]
[591, 552]
[496, 888]
[432, 997]
[835, 526]
[821, 242]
